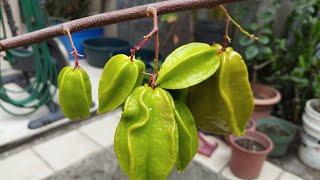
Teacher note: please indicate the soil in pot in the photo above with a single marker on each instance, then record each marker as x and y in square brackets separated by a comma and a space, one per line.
[250, 145]
[274, 130]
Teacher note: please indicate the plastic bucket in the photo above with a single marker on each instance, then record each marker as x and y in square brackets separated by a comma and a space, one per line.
[313, 115]
[99, 50]
[79, 37]
[310, 127]
[309, 150]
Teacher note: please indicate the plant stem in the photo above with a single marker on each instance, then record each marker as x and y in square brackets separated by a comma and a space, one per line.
[107, 18]
[74, 51]
[156, 45]
[226, 38]
[236, 24]
[151, 11]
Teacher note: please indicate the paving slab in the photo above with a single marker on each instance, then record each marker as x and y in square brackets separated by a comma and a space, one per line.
[268, 172]
[289, 176]
[67, 149]
[218, 159]
[102, 130]
[25, 165]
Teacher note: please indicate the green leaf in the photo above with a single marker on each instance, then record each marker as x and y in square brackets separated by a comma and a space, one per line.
[188, 65]
[264, 39]
[253, 26]
[266, 31]
[266, 50]
[251, 52]
[245, 41]
[169, 18]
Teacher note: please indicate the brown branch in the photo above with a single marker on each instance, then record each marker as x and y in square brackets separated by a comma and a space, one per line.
[236, 24]
[107, 18]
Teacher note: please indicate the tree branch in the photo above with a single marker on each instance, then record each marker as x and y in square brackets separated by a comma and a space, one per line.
[107, 19]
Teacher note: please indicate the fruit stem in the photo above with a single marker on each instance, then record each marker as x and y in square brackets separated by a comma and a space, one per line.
[151, 12]
[236, 24]
[74, 51]
[226, 39]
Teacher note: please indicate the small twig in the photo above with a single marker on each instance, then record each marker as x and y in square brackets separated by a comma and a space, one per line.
[150, 10]
[74, 49]
[237, 25]
[262, 65]
[156, 45]
[226, 38]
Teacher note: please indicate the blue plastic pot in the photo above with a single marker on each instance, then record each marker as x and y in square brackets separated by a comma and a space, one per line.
[79, 37]
[99, 50]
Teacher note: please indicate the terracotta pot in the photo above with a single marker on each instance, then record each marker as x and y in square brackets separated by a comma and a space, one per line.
[251, 125]
[265, 97]
[247, 163]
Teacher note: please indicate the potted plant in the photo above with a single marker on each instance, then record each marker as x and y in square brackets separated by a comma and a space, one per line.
[258, 55]
[248, 153]
[295, 67]
[280, 131]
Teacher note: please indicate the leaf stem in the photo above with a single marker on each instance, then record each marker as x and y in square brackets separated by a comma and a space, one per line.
[74, 51]
[236, 24]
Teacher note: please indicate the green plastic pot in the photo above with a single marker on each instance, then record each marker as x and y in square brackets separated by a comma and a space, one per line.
[280, 131]
[99, 50]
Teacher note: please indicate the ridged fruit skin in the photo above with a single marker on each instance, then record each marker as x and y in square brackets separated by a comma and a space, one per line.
[75, 94]
[188, 65]
[146, 139]
[188, 135]
[224, 102]
[119, 77]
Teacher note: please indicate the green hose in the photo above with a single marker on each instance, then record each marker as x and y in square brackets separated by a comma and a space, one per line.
[43, 87]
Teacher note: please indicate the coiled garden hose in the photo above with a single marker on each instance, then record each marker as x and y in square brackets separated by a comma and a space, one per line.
[43, 87]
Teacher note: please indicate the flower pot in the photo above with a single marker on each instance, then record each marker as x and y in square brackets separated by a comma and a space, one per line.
[251, 125]
[79, 37]
[280, 131]
[99, 50]
[249, 153]
[265, 97]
